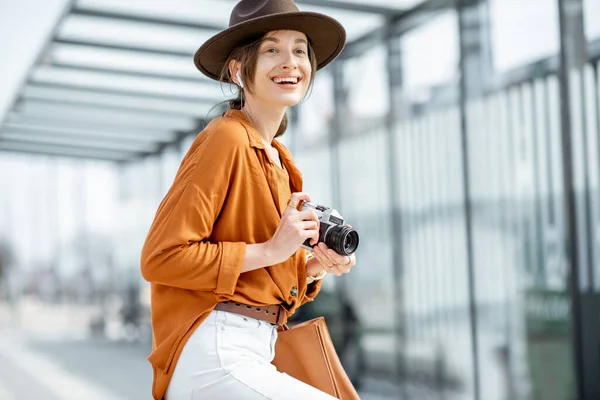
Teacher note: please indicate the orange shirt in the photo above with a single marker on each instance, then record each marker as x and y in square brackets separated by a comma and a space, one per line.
[227, 193]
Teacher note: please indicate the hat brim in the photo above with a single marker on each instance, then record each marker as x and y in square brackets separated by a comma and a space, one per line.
[326, 35]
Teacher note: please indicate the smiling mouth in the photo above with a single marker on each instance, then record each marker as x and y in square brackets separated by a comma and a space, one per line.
[289, 81]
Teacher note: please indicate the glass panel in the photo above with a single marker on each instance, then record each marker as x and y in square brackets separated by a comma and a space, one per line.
[317, 112]
[365, 203]
[136, 34]
[516, 40]
[428, 61]
[115, 101]
[356, 24]
[82, 141]
[170, 164]
[141, 85]
[84, 126]
[61, 150]
[591, 13]
[27, 128]
[520, 276]
[316, 171]
[366, 80]
[123, 60]
[113, 117]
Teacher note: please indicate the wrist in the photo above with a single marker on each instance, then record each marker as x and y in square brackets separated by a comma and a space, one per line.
[313, 267]
[267, 253]
[311, 278]
[314, 270]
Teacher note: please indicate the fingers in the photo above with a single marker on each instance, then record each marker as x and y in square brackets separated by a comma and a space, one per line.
[296, 198]
[309, 225]
[325, 262]
[322, 248]
[333, 261]
[312, 234]
[308, 215]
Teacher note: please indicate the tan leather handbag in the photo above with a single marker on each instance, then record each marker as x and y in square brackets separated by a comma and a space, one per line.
[305, 351]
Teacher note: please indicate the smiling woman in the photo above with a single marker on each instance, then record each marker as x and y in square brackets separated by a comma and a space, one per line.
[224, 252]
[281, 57]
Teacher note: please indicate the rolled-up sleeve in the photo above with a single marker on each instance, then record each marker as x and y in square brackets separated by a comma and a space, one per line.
[312, 290]
[177, 251]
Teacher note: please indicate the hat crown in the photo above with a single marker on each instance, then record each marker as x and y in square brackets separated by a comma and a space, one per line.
[250, 9]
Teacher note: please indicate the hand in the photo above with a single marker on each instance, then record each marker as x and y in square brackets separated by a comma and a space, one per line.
[294, 228]
[329, 260]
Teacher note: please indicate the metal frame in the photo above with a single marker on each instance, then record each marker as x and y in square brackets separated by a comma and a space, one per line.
[102, 107]
[65, 151]
[395, 76]
[584, 302]
[137, 74]
[52, 123]
[126, 93]
[115, 16]
[466, 55]
[354, 6]
[107, 46]
[77, 133]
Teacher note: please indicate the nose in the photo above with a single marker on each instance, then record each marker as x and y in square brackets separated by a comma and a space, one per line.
[289, 61]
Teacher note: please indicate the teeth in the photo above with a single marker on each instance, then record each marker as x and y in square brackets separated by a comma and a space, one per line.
[281, 80]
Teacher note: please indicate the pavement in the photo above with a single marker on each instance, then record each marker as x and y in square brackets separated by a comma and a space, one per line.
[47, 352]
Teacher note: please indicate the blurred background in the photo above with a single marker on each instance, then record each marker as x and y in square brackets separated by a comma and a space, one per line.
[459, 138]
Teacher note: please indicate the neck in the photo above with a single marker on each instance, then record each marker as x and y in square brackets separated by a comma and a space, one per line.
[266, 118]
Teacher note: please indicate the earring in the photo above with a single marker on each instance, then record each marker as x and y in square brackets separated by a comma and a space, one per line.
[239, 77]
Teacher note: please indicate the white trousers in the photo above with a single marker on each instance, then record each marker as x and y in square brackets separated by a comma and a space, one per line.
[229, 357]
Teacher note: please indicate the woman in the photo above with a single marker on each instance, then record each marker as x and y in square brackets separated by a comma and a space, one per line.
[223, 253]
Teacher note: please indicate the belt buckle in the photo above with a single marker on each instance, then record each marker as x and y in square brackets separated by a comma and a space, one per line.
[280, 316]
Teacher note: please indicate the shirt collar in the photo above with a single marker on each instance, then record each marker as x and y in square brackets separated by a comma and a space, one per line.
[253, 137]
[256, 141]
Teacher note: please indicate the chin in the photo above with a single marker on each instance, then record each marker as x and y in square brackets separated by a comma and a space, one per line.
[287, 101]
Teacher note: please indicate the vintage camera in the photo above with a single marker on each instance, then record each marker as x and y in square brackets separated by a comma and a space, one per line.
[333, 230]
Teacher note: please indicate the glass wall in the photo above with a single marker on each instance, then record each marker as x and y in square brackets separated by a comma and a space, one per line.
[494, 323]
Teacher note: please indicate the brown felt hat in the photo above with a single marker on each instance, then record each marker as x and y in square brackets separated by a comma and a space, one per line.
[251, 19]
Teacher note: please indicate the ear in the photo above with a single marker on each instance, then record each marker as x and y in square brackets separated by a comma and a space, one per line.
[234, 68]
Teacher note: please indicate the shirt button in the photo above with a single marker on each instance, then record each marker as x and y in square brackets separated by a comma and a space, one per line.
[294, 291]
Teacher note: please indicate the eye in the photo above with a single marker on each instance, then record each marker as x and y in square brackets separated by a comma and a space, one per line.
[271, 50]
[300, 51]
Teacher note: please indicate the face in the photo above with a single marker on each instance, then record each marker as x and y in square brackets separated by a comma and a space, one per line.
[283, 68]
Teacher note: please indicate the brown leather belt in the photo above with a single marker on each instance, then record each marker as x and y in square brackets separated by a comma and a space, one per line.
[272, 314]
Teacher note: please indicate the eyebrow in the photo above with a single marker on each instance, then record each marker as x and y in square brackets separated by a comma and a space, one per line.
[275, 40]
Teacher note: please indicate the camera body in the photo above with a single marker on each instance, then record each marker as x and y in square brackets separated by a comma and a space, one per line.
[333, 230]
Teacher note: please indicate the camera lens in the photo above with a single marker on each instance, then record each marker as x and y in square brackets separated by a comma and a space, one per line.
[342, 239]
